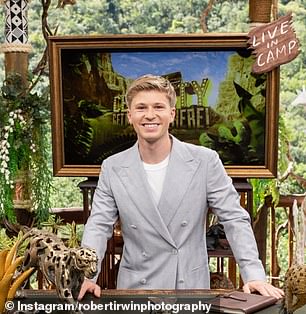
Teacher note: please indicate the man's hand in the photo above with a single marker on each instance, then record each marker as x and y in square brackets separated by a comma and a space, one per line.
[263, 288]
[89, 286]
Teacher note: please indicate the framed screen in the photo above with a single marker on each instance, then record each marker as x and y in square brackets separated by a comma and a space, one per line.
[221, 104]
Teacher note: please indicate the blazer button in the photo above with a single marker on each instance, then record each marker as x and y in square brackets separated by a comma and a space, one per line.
[144, 254]
[133, 226]
[184, 223]
[174, 251]
[181, 281]
[143, 281]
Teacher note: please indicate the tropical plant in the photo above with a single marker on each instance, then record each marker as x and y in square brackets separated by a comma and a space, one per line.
[71, 234]
[10, 277]
[24, 172]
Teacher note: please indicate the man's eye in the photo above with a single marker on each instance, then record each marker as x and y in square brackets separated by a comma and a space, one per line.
[159, 107]
[140, 108]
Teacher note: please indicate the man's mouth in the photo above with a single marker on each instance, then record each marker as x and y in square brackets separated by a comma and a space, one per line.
[150, 125]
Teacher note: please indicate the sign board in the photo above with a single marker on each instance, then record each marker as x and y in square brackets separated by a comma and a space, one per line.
[273, 44]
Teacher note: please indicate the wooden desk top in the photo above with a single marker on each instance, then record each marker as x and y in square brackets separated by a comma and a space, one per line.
[139, 297]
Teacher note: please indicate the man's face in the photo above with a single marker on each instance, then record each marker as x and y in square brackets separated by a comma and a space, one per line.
[150, 114]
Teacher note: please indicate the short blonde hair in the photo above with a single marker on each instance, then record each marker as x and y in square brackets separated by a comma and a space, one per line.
[151, 82]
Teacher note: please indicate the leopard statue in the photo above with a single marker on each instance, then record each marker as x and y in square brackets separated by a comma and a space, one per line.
[63, 267]
[294, 288]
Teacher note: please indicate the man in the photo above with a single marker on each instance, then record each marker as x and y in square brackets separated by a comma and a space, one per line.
[162, 188]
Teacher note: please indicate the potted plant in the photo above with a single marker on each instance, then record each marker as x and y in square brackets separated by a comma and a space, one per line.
[25, 175]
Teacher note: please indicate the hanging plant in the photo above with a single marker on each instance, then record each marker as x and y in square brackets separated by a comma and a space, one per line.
[25, 177]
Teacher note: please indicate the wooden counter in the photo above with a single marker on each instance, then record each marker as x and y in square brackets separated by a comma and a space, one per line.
[136, 297]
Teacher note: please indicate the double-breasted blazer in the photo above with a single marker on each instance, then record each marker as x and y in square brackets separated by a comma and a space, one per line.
[165, 245]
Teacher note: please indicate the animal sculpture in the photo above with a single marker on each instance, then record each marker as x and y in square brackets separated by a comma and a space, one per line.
[295, 289]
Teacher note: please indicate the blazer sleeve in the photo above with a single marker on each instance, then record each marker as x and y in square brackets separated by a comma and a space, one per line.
[224, 201]
[103, 215]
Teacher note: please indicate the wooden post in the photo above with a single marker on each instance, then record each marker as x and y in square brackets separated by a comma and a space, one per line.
[260, 14]
[260, 11]
[16, 50]
[273, 249]
[16, 47]
[17, 62]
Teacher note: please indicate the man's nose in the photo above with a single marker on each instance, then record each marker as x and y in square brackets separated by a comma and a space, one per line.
[150, 113]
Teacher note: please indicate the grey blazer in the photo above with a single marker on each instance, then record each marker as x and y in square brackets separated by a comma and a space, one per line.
[165, 247]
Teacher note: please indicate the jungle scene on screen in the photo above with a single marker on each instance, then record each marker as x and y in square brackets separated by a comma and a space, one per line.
[220, 103]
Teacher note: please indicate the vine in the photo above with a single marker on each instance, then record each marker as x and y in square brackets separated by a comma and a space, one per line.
[24, 117]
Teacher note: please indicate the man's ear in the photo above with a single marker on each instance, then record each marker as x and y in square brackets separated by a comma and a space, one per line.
[173, 112]
[129, 116]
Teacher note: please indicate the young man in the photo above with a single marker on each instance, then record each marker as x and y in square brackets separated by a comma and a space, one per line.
[162, 188]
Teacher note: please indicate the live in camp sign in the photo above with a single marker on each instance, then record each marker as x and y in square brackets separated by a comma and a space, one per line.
[273, 44]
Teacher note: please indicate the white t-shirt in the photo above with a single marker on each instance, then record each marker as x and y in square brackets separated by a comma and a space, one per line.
[156, 175]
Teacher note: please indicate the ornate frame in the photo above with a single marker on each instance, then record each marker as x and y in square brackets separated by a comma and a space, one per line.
[63, 49]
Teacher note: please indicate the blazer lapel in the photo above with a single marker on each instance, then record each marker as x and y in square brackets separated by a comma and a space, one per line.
[181, 169]
[132, 176]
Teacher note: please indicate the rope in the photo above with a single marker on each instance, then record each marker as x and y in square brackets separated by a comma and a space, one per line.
[275, 10]
[256, 24]
[15, 47]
